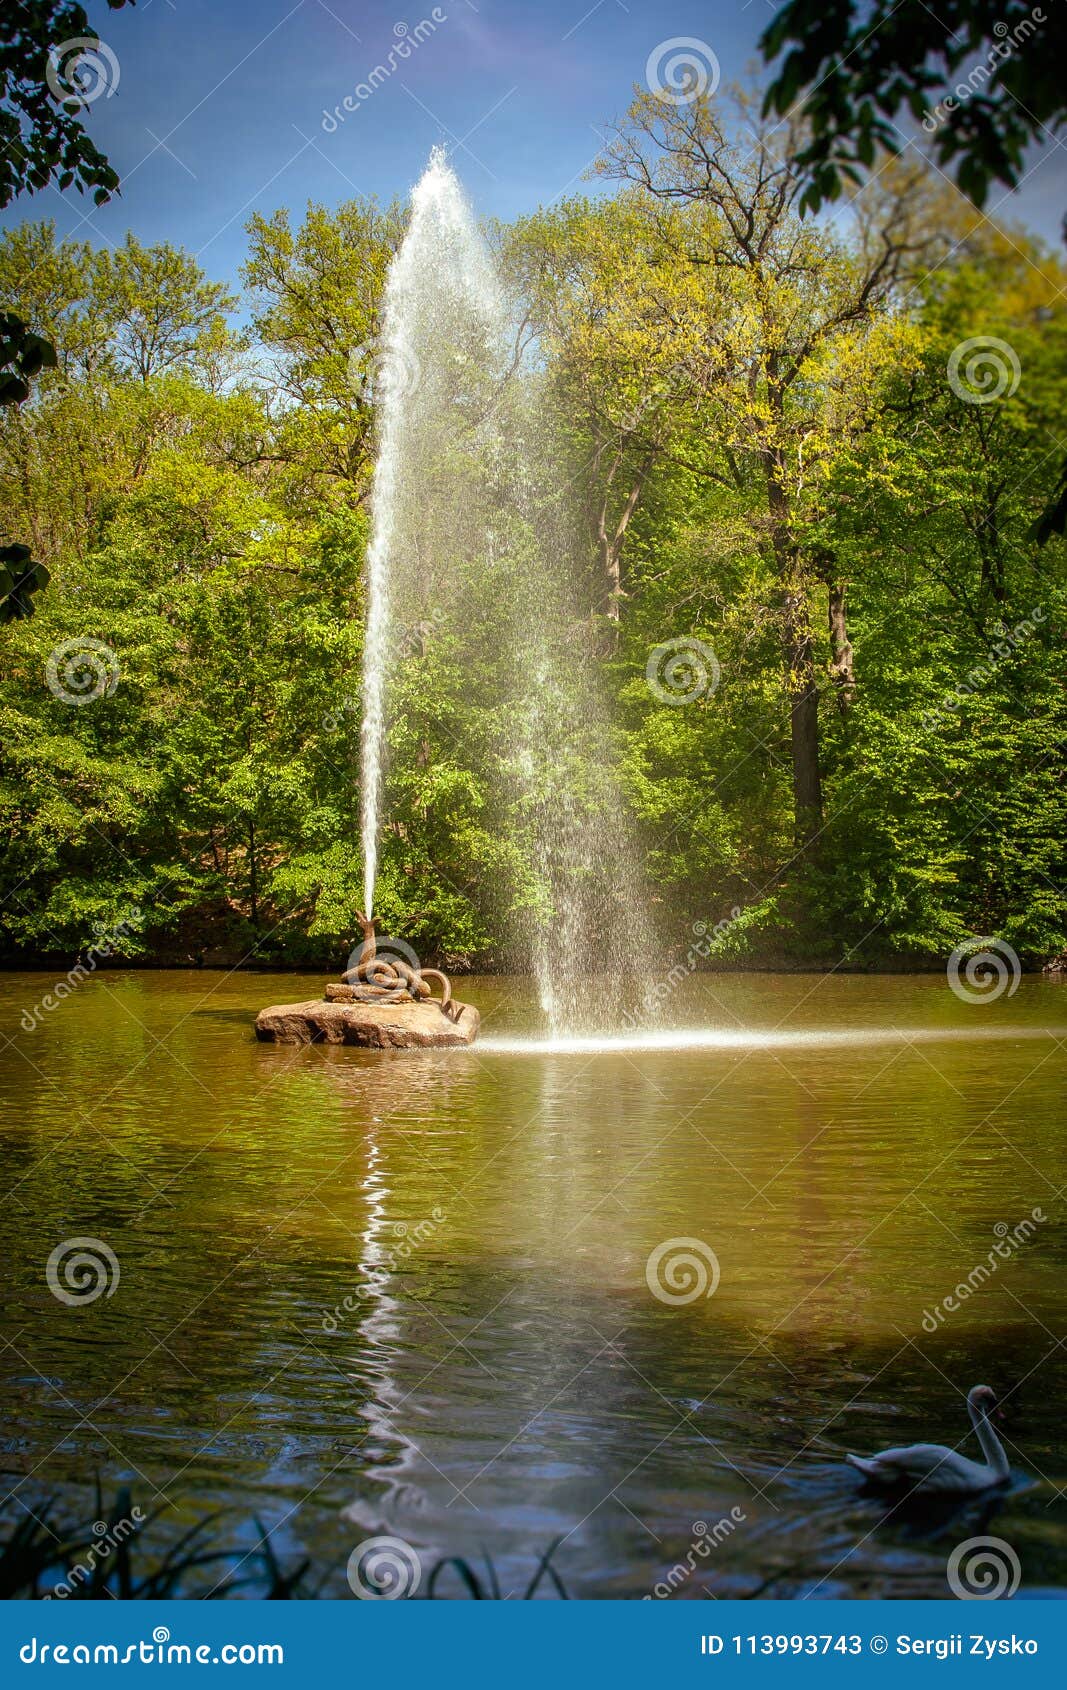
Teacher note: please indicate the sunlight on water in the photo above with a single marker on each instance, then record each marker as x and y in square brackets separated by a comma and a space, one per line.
[699, 1038]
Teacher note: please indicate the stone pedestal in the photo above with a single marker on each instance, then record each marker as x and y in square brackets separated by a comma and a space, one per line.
[363, 1015]
[343, 993]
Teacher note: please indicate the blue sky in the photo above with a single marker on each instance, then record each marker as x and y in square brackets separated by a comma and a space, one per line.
[218, 108]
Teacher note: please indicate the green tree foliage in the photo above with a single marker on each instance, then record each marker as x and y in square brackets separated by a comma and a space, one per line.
[981, 77]
[42, 141]
[42, 137]
[316, 293]
[979, 80]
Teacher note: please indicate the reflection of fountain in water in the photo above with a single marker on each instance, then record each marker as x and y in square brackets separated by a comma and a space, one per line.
[473, 537]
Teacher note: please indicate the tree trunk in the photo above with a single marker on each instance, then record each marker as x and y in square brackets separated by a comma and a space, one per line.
[841, 660]
[611, 536]
[804, 715]
[609, 584]
[607, 590]
[253, 878]
[799, 653]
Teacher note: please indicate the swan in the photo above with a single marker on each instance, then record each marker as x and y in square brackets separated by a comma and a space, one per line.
[933, 1468]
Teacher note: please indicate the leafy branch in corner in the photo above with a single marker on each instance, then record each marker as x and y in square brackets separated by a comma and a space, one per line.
[42, 140]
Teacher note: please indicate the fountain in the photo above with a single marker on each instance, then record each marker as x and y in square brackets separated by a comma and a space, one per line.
[380, 1002]
[473, 534]
[439, 293]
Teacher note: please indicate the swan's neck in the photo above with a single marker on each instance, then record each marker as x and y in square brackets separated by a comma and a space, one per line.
[992, 1448]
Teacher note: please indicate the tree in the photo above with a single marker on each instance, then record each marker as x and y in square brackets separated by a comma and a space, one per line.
[42, 140]
[608, 307]
[760, 423]
[855, 66]
[858, 64]
[959, 628]
[44, 49]
[795, 323]
[159, 310]
[120, 324]
[317, 294]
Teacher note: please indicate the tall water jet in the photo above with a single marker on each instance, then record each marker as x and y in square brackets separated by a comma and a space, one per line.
[439, 289]
[474, 538]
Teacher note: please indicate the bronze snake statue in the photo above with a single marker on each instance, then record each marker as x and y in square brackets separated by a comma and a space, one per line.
[392, 976]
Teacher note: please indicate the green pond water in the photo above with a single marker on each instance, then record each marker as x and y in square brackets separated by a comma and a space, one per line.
[407, 1293]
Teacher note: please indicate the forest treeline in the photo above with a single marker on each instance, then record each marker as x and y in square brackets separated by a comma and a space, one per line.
[808, 457]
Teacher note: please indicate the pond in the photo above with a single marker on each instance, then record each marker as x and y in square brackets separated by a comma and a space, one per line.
[426, 1294]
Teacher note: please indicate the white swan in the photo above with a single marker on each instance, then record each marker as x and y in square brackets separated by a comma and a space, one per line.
[932, 1468]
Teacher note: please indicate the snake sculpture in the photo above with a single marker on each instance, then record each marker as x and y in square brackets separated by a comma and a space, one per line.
[394, 978]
